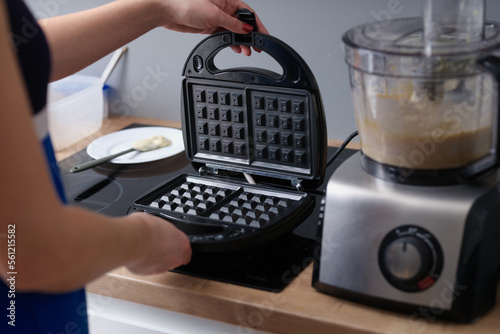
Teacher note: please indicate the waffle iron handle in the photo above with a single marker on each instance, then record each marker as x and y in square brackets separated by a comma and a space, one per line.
[296, 73]
[247, 16]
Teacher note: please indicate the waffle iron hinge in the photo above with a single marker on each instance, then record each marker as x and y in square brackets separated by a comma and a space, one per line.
[297, 184]
[214, 170]
[206, 170]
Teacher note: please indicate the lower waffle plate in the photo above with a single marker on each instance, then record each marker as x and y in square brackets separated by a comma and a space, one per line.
[226, 216]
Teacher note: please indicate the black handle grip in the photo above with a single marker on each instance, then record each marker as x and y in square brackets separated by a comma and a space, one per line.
[247, 16]
[492, 65]
[296, 73]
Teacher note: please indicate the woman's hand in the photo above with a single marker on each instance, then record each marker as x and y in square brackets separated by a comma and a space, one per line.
[166, 249]
[207, 17]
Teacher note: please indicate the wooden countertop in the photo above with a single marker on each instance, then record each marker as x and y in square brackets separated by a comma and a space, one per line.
[299, 308]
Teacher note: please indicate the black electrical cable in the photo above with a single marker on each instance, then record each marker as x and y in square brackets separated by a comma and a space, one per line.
[341, 148]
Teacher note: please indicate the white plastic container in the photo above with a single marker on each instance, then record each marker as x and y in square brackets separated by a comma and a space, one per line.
[75, 109]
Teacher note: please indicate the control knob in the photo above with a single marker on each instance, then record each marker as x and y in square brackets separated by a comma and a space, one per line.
[410, 258]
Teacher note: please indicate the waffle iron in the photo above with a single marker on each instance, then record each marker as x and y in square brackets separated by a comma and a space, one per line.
[244, 121]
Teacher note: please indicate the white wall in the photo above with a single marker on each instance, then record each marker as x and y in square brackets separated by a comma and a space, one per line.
[312, 27]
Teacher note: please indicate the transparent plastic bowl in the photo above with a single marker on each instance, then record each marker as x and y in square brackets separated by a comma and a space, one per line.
[75, 109]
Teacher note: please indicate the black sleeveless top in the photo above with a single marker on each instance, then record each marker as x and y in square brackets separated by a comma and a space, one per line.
[37, 312]
[32, 50]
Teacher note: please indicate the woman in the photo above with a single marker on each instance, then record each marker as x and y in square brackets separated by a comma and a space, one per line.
[54, 250]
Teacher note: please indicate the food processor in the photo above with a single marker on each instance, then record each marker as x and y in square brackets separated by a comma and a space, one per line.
[412, 221]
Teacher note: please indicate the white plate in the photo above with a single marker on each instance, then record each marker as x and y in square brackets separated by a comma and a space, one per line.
[122, 140]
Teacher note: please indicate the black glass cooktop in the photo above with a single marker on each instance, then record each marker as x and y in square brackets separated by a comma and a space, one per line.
[111, 189]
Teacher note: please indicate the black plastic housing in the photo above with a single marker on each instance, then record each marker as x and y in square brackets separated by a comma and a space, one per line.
[245, 120]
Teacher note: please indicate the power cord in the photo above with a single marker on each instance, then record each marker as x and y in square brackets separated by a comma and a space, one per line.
[341, 148]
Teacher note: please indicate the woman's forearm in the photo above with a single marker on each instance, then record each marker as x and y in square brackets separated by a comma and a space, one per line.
[73, 247]
[79, 39]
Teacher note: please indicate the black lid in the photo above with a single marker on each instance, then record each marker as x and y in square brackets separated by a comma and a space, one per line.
[252, 120]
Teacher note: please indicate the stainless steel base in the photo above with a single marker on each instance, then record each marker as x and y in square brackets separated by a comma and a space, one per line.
[361, 210]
